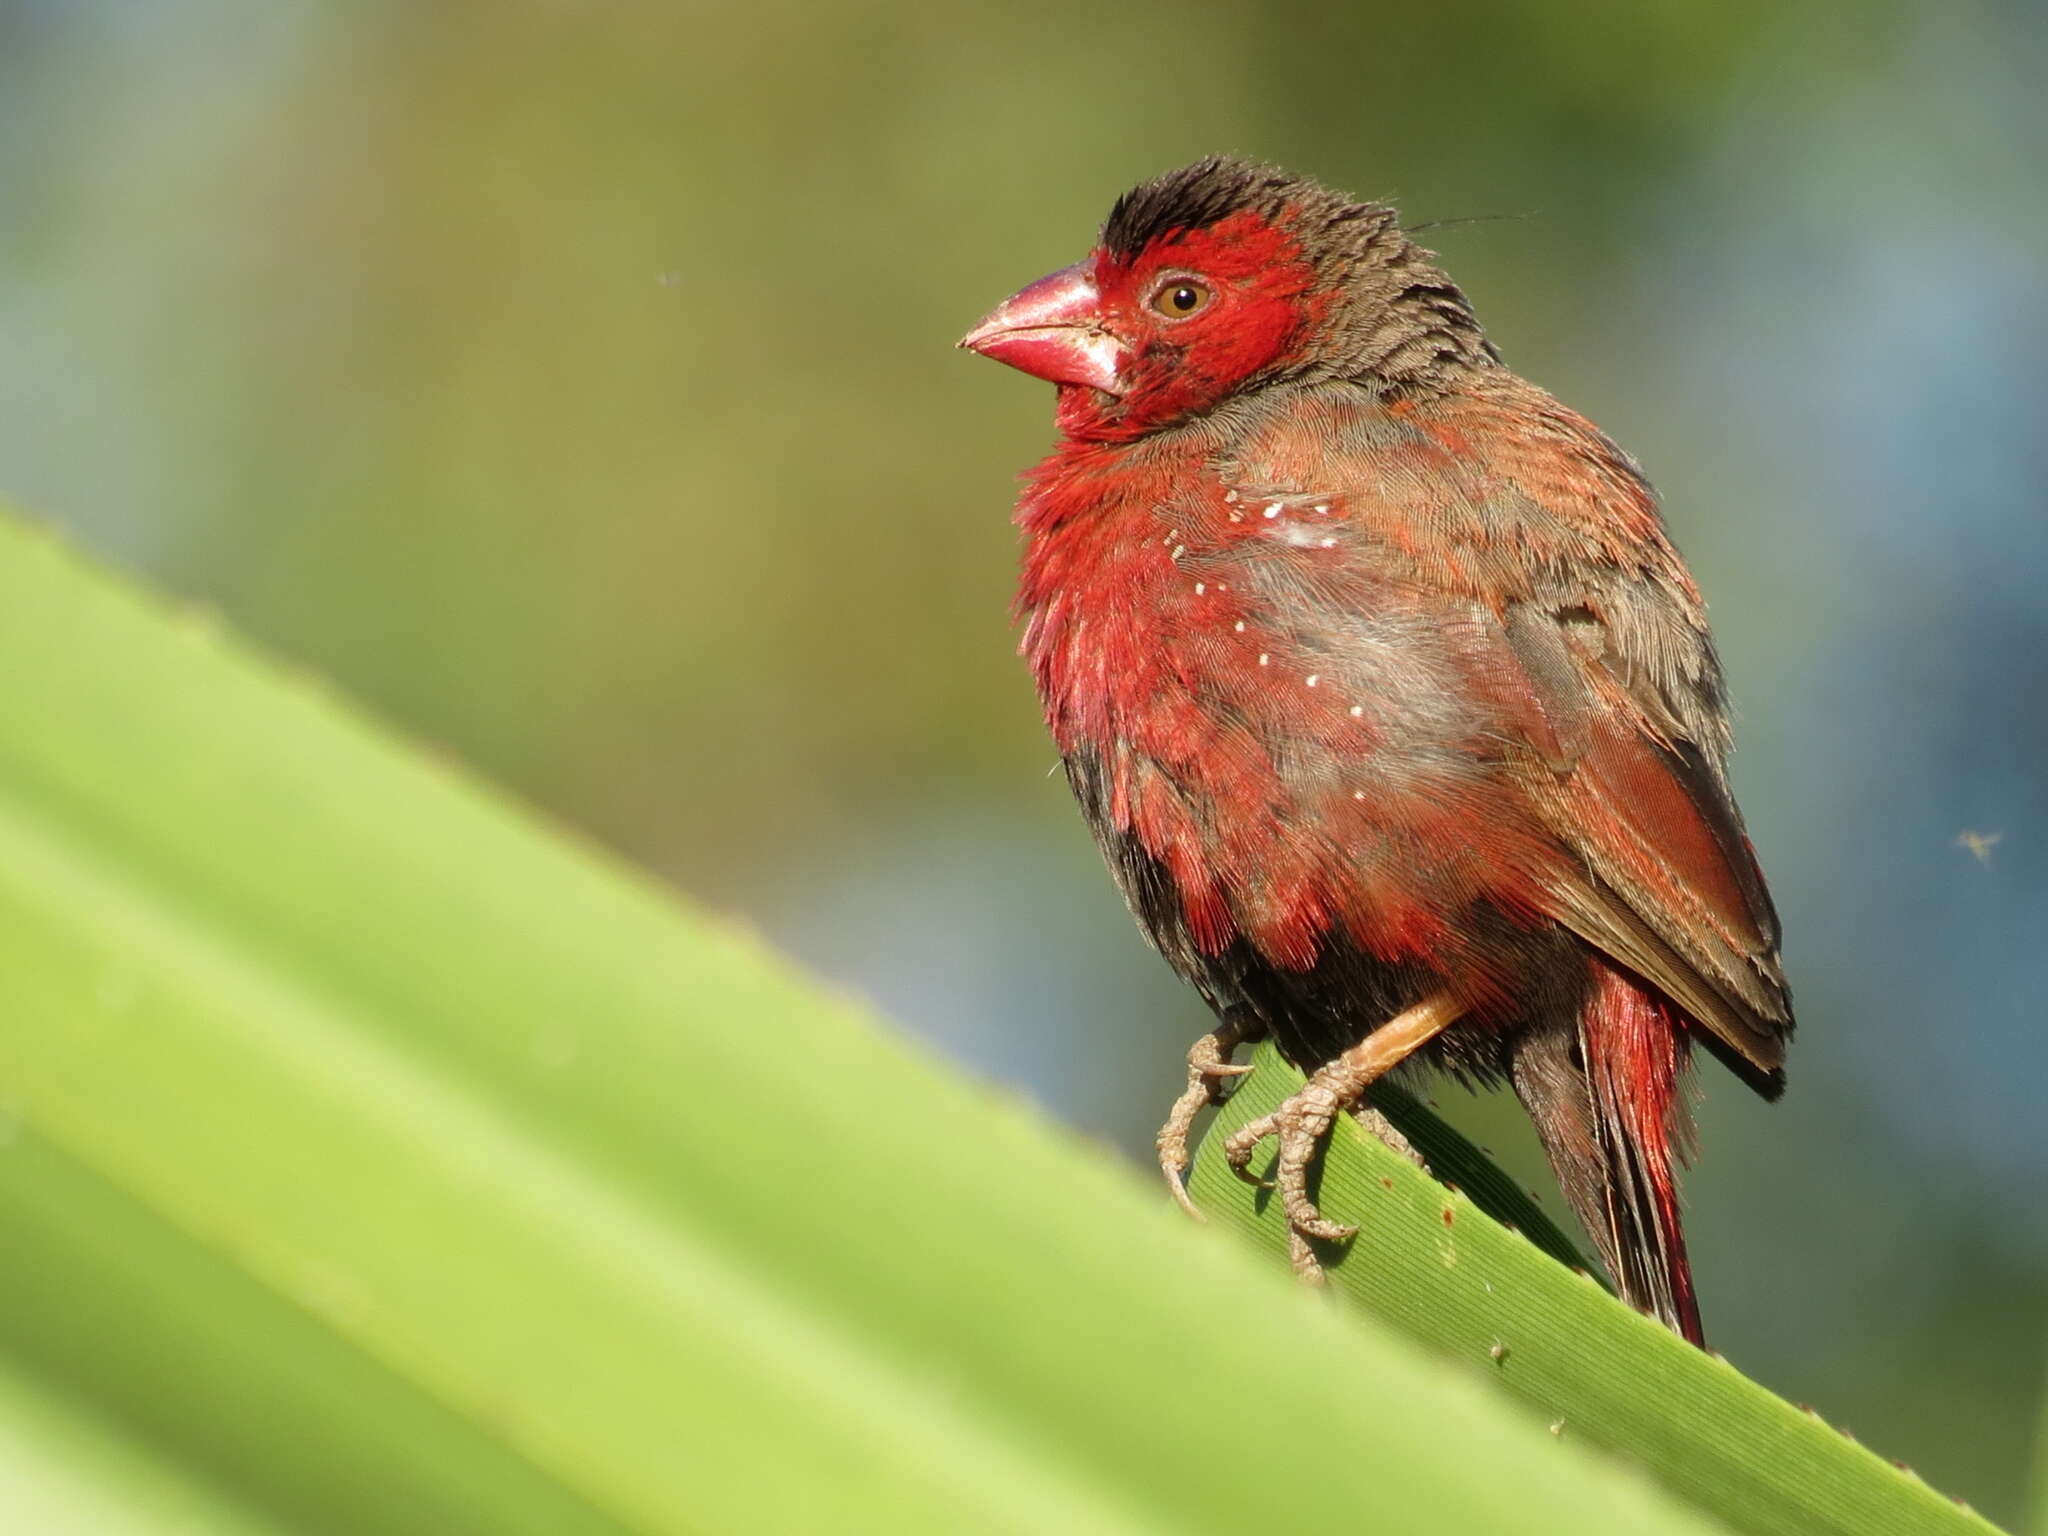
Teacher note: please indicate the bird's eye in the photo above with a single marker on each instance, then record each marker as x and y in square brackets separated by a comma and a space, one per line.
[1180, 298]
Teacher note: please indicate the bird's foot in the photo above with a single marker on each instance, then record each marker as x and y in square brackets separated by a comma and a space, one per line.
[1299, 1124]
[1301, 1256]
[1302, 1122]
[1209, 1070]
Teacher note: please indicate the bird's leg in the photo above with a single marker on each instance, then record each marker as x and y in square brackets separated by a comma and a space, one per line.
[1209, 1068]
[1305, 1119]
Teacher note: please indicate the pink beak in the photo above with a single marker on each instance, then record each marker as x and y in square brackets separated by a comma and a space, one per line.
[1053, 330]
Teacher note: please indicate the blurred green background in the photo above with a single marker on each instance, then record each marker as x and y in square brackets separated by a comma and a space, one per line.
[575, 384]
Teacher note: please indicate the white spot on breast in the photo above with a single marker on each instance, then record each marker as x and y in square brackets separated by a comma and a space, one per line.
[1314, 678]
[1358, 794]
[1200, 589]
[1358, 711]
[1322, 509]
[1264, 659]
[1273, 508]
[1326, 544]
[1179, 550]
[1238, 626]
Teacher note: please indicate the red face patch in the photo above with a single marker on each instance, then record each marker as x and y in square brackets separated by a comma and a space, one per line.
[1249, 294]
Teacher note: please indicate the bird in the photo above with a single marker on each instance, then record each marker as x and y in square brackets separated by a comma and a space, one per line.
[1388, 700]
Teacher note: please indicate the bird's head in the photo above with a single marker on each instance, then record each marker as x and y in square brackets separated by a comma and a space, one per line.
[1221, 278]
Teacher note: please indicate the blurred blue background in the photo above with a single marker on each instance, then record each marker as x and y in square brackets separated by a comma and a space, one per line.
[574, 384]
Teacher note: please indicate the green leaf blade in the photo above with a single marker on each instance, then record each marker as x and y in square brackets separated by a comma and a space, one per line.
[1432, 1263]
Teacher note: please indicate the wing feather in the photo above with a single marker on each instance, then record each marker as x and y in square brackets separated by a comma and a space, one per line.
[1607, 690]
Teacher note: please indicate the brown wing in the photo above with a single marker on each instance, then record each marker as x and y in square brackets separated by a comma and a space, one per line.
[1672, 889]
[1606, 680]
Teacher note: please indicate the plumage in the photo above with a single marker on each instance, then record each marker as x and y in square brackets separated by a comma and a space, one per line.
[1379, 681]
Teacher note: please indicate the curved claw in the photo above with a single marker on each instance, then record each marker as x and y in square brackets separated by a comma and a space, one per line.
[1209, 1058]
[1172, 1142]
[1243, 1142]
[1209, 1068]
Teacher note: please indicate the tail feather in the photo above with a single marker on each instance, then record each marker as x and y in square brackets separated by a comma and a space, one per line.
[1606, 1103]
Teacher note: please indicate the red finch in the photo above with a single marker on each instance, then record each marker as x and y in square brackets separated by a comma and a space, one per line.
[1386, 696]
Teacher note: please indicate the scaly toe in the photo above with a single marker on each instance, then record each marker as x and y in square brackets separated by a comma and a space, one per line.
[1210, 1066]
[1243, 1142]
[1173, 1163]
[1301, 1137]
[1172, 1142]
[1302, 1259]
[1316, 1224]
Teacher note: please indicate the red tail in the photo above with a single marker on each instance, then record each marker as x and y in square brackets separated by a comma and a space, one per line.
[1614, 1125]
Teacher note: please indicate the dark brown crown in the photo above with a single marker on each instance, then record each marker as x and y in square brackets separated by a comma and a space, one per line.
[1193, 197]
[1401, 318]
